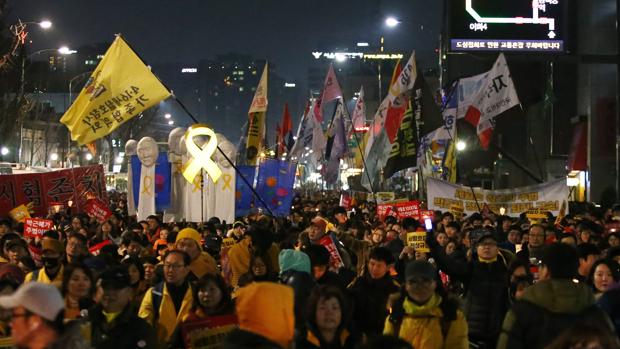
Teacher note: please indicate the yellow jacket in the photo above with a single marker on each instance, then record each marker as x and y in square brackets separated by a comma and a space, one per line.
[421, 326]
[203, 265]
[168, 318]
[41, 276]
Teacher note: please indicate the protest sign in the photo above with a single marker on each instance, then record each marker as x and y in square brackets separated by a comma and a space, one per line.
[335, 261]
[97, 209]
[19, 213]
[399, 210]
[446, 196]
[208, 333]
[35, 227]
[417, 240]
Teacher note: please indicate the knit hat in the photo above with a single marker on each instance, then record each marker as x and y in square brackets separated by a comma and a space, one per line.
[38, 298]
[294, 260]
[49, 244]
[420, 269]
[189, 233]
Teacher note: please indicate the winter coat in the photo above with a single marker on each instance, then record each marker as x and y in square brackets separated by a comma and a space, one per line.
[203, 265]
[311, 339]
[487, 287]
[70, 338]
[166, 319]
[429, 326]
[238, 257]
[545, 310]
[127, 330]
[610, 303]
[370, 302]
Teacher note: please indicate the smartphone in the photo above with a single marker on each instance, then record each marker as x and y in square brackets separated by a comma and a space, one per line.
[428, 223]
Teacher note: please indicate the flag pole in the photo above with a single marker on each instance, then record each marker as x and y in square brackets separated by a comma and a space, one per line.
[359, 146]
[227, 159]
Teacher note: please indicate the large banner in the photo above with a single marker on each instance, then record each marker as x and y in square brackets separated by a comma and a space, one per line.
[275, 185]
[41, 189]
[548, 196]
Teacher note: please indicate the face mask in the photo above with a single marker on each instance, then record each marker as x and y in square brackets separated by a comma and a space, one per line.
[50, 263]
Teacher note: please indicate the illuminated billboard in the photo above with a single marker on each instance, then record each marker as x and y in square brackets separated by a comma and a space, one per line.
[508, 25]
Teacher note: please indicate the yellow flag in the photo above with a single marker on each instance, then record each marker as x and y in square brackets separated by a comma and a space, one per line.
[449, 163]
[19, 213]
[257, 113]
[121, 87]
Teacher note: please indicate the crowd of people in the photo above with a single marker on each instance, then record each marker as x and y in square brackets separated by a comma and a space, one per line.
[323, 277]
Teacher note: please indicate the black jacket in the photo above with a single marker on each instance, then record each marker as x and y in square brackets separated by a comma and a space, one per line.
[240, 339]
[127, 330]
[370, 302]
[487, 287]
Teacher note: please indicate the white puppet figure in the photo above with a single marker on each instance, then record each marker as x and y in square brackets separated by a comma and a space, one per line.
[175, 211]
[221, 201]
[147, 153]
[131, 149]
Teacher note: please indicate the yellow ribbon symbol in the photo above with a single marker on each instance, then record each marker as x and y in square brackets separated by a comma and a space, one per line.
[227, 179]
[201, 157]
[197, 184]
[148, 184]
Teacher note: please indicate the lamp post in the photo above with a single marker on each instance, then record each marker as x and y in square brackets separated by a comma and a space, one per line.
[81, 75]
[64, 50]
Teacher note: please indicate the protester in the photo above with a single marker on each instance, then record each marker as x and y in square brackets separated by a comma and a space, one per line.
[603, 274]
[136, 277]
[424, 315]
[211, 299]
[371, 291]
[551, 305]
[37, 319]
[189, 241]
[588, 254]
[113, 322]
[328, 317]
[485, 279]
[165, 304]
[266, 317]
[52, 255]
[78, 288]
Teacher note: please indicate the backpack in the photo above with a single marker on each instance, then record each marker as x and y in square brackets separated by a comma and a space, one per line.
[447, 306]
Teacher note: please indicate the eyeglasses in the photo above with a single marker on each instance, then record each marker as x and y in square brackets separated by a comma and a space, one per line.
[174, 266]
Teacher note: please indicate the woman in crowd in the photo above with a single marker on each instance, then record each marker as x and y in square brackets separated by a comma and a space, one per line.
[424, 315]
[211, 298]
[78, 289]
[104, 232]
[327, 321]
[135, 268]
[603, 274]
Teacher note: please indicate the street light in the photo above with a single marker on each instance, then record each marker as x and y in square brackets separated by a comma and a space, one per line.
[45, 24]
[89, 157]
[54, 157]
[391, 22]
[460, 145]
[167, 115]
[4, 151]
[171, 122]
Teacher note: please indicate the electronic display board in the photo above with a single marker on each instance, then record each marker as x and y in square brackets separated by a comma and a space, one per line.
[508, 25]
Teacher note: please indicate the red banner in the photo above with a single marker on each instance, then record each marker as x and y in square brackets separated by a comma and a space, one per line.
[76, 185]
[95, 249]
[399, 210]
[35, 227]
[346, 201]
[426, 214]
[335, 261]
[98, 209]
[29, 188]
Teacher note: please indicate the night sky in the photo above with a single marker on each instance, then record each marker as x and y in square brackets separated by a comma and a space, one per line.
[283, 31]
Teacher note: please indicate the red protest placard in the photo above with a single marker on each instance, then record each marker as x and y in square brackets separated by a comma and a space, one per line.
[89, 182]
[209, 332]
[335, 261]
[98, 209]
[399, 210]
[29, 188]
[8, 198]
[94, 250]
[426, 214]
[58, 186]
[35, 227]
[346, 201]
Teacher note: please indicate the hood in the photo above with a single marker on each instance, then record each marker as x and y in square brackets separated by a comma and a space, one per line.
[560, 296]
[294, 260]
[266, 308]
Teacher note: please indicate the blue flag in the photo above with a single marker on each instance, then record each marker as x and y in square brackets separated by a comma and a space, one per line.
[162, 180]
[243, 193]
[275, 185]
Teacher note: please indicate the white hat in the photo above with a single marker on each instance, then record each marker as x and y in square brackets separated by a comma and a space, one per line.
[38, 298]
